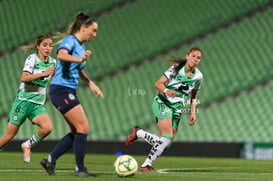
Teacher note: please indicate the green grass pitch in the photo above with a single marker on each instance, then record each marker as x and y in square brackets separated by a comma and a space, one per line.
[12, 168]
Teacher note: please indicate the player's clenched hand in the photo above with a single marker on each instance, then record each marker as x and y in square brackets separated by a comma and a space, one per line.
[86, 55]
[49, 71]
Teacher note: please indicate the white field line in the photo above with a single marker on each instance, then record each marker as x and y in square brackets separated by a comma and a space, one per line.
[165, 171]
[168, 170]
[41, 170]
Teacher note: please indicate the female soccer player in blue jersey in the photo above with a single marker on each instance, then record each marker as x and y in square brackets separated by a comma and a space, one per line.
[72, 57]
[180, 82]
[30, 100]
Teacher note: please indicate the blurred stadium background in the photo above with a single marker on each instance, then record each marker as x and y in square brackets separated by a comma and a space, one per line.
[135, 38]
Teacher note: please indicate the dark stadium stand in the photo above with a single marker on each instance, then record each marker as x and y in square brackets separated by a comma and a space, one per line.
[22, 21]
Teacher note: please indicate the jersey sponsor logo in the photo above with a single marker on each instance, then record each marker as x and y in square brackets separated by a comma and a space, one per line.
[28, 65]
[183, 87]
[37, 66]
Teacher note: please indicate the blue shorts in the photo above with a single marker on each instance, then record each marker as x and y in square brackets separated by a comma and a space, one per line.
[63, 98]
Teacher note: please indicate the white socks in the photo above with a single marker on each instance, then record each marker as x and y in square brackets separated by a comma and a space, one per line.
[148, 137]
[159, 144]
[156, 151]
[32, 141]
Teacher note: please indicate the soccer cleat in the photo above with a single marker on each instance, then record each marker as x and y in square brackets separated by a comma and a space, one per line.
[27, 152]
[48, 166]
[84, 173]
[133, 136]
[147, 168]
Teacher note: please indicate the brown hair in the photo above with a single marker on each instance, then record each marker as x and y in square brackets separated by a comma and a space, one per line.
[37, 42]
[81, 19]
[181, 62]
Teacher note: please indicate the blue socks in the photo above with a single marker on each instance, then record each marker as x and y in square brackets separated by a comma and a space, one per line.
[78, 141]
[63, 146]
[79, 150]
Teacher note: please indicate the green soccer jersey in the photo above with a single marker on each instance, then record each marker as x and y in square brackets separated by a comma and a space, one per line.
[182, 84]
[35, 91]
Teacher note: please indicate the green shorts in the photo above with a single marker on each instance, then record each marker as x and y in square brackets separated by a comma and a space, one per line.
[21, 110]
[162, 111]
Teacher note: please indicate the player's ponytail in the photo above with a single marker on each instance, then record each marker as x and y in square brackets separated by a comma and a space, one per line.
[74, 26]
[80, 19]
[179, 62]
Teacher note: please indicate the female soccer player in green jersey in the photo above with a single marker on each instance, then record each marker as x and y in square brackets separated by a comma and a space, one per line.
[30, 100]
[180, 82]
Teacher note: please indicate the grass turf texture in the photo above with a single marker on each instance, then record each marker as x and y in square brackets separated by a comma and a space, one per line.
[12, 168]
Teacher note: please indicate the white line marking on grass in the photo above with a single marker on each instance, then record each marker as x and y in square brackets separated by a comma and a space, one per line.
[29, 170]
[168, 170]
[207, 171]
[40, 170]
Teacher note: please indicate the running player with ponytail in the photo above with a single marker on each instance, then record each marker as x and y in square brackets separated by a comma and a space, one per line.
[178, 84]
[30, 100]
[72, 58]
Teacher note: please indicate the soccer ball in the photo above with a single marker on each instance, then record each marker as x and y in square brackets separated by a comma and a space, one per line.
[125, 165]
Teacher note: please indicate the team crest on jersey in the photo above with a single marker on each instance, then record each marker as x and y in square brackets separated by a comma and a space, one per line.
[179, 77]
[15, 117]
[71, 96]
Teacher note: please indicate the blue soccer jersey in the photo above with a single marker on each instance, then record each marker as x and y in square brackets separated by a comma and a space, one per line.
[68, 73]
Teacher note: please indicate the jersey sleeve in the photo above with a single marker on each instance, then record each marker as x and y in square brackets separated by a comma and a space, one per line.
[67, 43]
[29, 64]
[199, 82]
[169, 73]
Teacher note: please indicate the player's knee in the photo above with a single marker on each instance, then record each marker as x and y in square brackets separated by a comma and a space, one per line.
[46, 128]
[83, 129]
